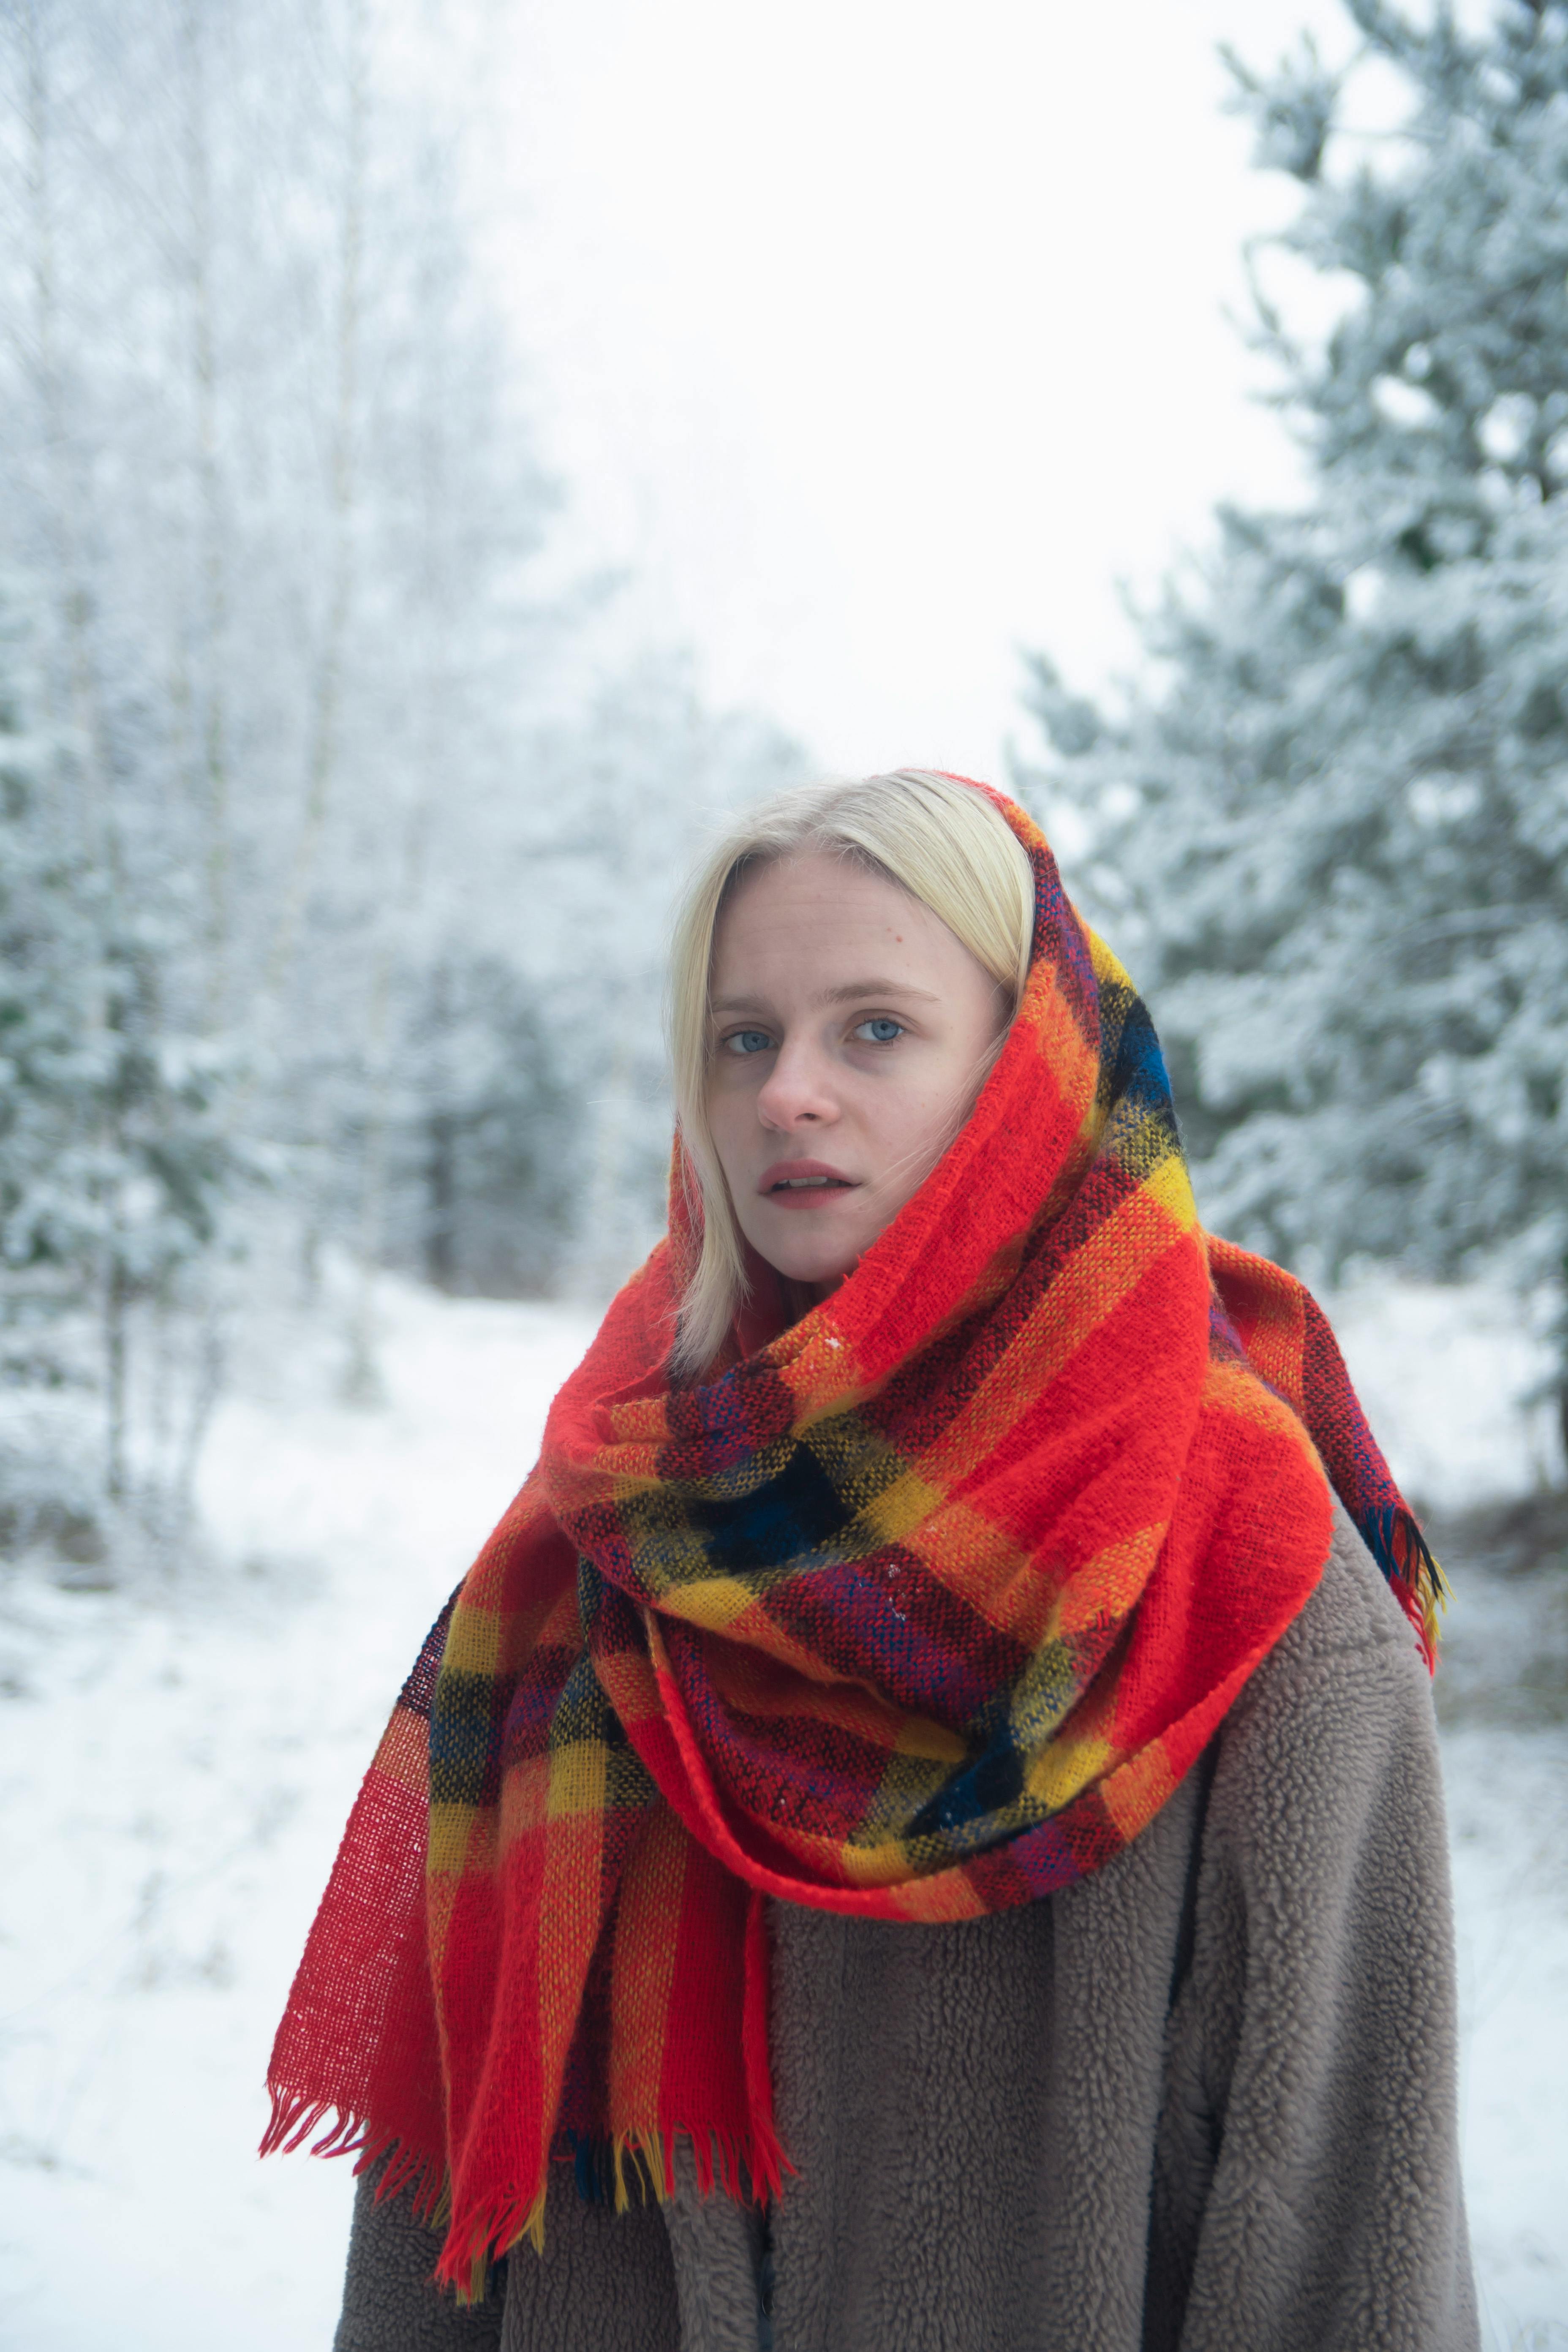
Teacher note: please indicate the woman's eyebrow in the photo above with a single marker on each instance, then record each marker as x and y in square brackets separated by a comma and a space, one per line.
[847, 991]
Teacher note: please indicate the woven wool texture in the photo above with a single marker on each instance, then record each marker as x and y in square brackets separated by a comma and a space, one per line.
[921, 1610]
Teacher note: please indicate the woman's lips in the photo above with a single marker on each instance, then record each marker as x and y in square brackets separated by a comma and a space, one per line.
[803, 1183]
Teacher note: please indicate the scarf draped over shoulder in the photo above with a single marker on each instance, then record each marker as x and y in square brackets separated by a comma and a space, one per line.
[921, 1609]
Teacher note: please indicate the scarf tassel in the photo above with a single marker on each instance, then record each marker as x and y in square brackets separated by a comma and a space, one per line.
[499, 2226]
[1419, 1583]
[293, 2120]
[609, 2170]
[606, 2171]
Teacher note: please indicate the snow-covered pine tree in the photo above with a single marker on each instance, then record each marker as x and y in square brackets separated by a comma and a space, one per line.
[48, 991]
[1334, 829]
[114, 1161]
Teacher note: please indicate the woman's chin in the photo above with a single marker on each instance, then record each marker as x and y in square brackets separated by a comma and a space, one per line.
[814, 1269]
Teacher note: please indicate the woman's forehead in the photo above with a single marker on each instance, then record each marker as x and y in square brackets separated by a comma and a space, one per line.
[814, 895]
[826, 932]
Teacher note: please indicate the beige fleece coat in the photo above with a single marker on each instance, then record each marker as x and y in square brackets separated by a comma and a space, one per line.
[1203, 2100]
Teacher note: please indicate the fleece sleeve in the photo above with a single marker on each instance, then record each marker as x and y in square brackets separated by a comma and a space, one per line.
[605, 2282]
[390, 2301]
[1308, 2162]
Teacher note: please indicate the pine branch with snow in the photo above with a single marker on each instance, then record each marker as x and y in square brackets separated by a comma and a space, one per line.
[1334, 829]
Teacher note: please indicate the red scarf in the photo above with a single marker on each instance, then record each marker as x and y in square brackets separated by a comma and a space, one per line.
[919, 1610]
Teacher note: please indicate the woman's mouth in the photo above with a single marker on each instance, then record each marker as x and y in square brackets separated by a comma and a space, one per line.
[803, 1184]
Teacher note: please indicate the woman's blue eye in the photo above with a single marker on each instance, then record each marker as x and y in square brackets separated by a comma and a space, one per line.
[748, 1041]
[883, 1031]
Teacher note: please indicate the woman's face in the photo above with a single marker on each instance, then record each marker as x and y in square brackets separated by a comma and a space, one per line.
[851, 1034]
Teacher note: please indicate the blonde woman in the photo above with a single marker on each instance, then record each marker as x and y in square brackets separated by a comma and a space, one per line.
[922, 1827]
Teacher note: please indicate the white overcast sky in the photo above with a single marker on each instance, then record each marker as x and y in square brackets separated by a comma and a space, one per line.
[884, 336]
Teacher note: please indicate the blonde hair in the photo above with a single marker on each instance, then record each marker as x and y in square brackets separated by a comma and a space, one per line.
[947, 845]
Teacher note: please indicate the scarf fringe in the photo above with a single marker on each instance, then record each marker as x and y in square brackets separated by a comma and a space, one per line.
[747, 2166]
[607, 2172]
[500, 2224]
[294, 2118]
[1406, 1559]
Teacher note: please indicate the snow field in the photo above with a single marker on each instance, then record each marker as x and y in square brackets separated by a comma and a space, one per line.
[173, 1790]
[173, 1779]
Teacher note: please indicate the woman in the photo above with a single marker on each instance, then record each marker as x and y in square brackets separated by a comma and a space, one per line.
[922, 1827]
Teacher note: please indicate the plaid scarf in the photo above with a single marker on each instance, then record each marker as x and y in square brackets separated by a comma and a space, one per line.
[920, 1609]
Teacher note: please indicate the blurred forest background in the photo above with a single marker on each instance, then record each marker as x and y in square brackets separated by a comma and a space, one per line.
[334, 851]
[341, 811]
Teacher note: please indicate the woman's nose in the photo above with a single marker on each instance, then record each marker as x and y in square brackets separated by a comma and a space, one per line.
[797, 1091]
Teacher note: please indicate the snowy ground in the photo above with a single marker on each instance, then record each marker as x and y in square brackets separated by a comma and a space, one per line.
[174, 1776]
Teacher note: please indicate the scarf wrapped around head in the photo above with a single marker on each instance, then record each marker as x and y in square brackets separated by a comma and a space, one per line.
[919, 1610]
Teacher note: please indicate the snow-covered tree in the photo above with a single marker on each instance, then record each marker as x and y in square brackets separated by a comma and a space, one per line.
[50, 995]
[487, 1141]
[265, 460]
[115, 1158]
[1333, 826]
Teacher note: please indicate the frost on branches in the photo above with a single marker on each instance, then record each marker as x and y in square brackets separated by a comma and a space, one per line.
[1335, 834]
[365, 813]
[114, 1160]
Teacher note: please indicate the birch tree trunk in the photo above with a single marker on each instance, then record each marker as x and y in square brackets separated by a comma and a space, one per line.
[73, 600]
[209, 730]
[326, 698]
